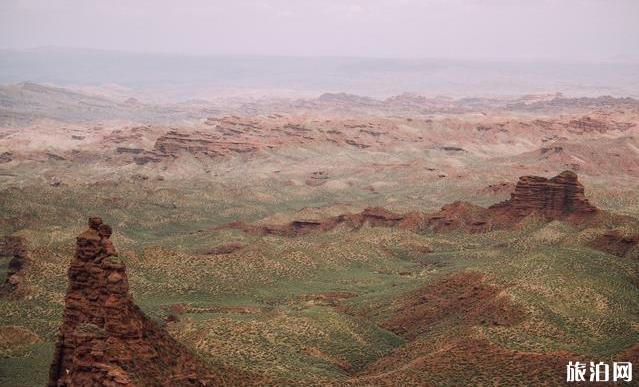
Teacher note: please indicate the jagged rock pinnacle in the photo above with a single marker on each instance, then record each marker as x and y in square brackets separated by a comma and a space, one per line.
[105, 339]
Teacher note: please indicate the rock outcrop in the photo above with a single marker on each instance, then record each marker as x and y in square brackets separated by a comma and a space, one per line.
[15, 285]
[201, 143]
[105, 339]
[557, 198]
[594, 124]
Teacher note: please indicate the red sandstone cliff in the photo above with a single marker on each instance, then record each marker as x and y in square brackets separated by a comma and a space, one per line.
[559, 197]
[106, 340]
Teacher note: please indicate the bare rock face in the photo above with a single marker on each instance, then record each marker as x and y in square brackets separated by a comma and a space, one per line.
[15, 285]
[559, 197]
[105, 339]
[217, 144]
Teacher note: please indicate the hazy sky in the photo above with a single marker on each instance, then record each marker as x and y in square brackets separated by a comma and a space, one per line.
[549, 29]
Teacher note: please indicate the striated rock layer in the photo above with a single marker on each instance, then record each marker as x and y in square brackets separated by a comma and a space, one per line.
[554, 198]
[105, 339]
[559, 198]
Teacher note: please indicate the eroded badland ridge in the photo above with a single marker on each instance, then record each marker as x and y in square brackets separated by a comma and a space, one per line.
[325, 241]
[534, 197]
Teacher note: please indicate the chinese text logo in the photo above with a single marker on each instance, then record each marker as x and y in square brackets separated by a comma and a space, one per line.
[599, 372]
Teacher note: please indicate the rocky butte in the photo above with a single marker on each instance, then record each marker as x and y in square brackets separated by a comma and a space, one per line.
[106, 340]
[556, 198]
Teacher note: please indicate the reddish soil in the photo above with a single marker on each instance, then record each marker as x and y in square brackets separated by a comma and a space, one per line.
[615, 243]
[631, 354]
[465, 297]
[464, 301]
[560, 197]
[466, 361]
[459, 215]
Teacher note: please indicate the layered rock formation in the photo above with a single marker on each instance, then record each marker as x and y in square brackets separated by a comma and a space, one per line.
[105, 339]
[212, 145]
[589, 124]
[559, 197]
[15, 285]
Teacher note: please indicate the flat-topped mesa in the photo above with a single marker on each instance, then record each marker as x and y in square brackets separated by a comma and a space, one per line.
[559, 197]
[105, 339]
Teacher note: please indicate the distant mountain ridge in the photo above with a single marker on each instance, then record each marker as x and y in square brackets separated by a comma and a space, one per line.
[179, 77]
[27, 102]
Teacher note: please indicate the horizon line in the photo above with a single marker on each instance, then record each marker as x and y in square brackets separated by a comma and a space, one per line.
[621, 59]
